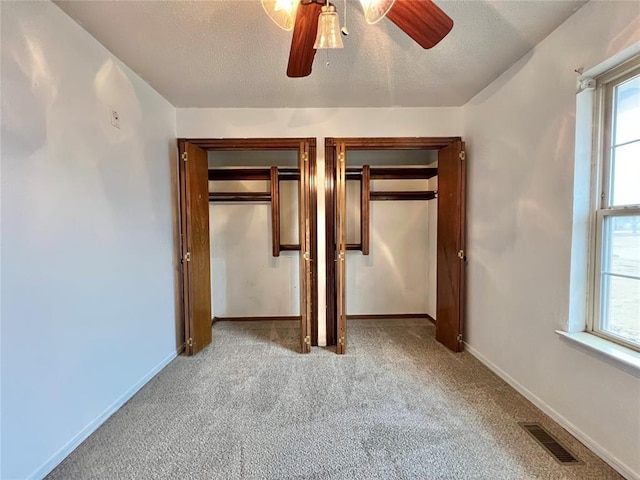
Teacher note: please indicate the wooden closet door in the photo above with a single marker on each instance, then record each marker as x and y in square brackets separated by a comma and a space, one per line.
[451, 246]
[341, 248]
[304, 233]
[196, 255]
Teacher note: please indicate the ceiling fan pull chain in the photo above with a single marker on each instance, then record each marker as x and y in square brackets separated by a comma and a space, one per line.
[345, 30]
[345, 14]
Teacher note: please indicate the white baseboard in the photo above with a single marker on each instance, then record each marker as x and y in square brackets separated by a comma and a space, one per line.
[605, 455]
[61, 454]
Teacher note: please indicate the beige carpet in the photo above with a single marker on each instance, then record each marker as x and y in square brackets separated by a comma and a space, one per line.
[397, 406]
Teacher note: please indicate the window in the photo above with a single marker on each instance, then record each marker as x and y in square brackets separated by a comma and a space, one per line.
[616, 247]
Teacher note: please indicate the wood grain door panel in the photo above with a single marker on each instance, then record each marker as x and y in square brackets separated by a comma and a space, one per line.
[341, 249]
[304, 229]
[196, 254]
[450, 246]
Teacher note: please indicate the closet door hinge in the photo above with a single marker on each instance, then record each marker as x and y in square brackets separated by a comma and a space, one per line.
[341, 341]
[184, 156]
[306, 256]
[461, 255]
[462, 155]
[460, 338]
[188, 342]
[307, 340]
[187, 257]
[305, 157]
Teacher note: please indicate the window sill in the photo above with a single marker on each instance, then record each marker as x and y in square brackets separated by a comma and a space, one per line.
[614, 354]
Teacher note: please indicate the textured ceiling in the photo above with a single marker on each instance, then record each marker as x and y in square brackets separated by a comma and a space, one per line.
[230, 54]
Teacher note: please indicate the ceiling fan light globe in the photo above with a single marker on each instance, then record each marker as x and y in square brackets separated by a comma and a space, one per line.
[282, 12]
[376, 10]
[328, 29]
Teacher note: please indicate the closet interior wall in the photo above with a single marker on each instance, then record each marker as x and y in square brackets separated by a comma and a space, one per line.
[247, 280]
[400, 266]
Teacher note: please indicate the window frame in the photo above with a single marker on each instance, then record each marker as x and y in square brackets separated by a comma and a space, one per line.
[601, 189]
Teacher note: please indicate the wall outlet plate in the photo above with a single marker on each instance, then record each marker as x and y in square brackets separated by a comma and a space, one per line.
[115, 118]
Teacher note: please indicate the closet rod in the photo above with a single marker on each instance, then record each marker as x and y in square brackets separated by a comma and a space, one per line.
[228, 174]
[390, 173]
[239, 197]
[411, 195]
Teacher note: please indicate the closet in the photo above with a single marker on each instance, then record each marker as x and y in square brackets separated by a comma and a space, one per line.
[248, 249]
[395, 233]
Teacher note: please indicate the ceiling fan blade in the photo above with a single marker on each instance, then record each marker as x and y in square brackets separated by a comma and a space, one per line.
[422, 20]
[304, 36]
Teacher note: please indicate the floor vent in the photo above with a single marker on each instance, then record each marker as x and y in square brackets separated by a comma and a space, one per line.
[544, 438]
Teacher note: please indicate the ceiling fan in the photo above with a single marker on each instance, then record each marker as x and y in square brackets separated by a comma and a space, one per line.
[422, 20]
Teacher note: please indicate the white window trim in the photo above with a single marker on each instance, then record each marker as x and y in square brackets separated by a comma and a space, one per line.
[600, 199]
[586, 174]
[603, 349]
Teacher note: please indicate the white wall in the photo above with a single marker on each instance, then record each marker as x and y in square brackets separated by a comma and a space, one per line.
[246, 279]
[320, 123]
[520, 134]
[394, 277]
[88, 310]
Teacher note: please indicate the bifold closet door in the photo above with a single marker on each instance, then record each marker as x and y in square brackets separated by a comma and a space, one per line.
[451, 246]
[304, 233]
[341, 248]
[196, 278]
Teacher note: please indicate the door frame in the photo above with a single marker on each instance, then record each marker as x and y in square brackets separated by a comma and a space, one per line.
[262, 144]
[331, 157]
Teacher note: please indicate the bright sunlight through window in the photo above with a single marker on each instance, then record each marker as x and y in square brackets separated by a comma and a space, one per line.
[616, 306]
